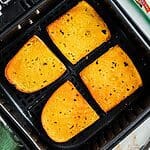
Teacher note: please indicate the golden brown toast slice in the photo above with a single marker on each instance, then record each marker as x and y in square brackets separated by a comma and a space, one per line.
[33, 67]
[78, 32]
[111, 78]
[66, 114]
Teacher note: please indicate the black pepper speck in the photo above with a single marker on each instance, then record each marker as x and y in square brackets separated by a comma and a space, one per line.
[36, 58]
[64, 45]
[71, 127]
[77, 94]
[44, 81]
[104, 31]
[44, 64]
[61, 32]
[125, 64]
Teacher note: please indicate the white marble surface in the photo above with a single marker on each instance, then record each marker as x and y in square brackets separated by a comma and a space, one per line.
[137, 138]
[137, 15]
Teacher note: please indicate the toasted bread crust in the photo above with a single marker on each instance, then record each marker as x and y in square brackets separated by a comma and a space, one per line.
[111, 78]
[66, 114]
[33, 67]
[78, 32]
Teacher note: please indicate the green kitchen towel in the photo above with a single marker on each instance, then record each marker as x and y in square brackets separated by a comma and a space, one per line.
[7, 140]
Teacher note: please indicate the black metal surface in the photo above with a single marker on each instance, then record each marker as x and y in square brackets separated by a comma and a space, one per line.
[13, 9]
[19, 123]
[30, 105]
[11, 27]
[122, 126]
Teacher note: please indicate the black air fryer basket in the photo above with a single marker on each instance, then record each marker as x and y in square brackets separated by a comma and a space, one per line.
[24, 110]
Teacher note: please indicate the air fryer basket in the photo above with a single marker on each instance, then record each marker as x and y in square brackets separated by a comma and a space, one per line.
[30, 105]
